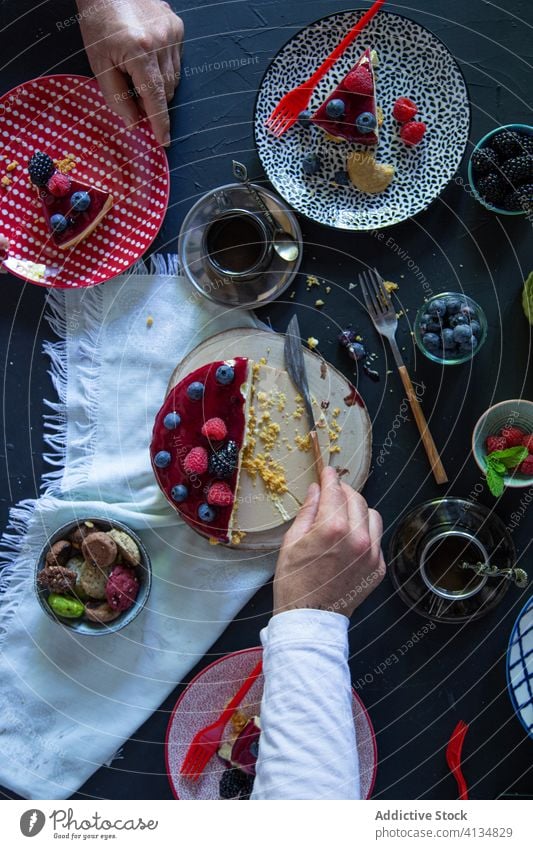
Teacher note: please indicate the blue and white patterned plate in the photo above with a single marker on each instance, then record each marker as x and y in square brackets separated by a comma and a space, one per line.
[412, 63]
[520, 667]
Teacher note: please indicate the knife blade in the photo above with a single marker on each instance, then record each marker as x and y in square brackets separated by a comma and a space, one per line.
[295, 365]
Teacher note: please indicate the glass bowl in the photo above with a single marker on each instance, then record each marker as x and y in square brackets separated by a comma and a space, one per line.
[455, 356]
[524, 128]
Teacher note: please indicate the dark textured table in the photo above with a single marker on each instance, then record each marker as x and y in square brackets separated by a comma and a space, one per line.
[451, 673]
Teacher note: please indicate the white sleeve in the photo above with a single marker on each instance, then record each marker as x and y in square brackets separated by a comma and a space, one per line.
[307, 746]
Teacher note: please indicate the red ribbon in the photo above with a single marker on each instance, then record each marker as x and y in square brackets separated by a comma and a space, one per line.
[453, 757]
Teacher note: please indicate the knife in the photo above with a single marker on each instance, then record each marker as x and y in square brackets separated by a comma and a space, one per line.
[295, 365]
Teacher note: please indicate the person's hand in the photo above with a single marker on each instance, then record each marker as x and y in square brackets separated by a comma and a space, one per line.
[134, 48]
[331, 556]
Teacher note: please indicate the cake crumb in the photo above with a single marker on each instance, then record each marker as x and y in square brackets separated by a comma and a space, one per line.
[5, 180]
[237, 537]
[390, 286]
[12, 165]
[213, 541]
[328, 290]
[312, 343]
[319, 303]
[149, 321]
[292, 294]
[312, 281]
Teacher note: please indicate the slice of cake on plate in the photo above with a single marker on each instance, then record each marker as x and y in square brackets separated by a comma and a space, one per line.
[350, 112]
[72, 209]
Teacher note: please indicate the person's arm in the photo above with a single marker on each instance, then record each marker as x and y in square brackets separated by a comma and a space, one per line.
[134, 48]
[329, 562]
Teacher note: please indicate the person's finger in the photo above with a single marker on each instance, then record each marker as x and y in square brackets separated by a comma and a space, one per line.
[176, 62]
[168, 74]
[332, 513]
[114, 86]
[306, 515]
[358, 517]
[375, 525]
[148, 82]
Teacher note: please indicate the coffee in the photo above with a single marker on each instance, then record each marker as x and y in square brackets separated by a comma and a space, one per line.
[236, 243]
[442, 563]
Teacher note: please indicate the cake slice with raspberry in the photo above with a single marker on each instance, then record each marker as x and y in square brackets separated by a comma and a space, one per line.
[350, 112]
[72, 209]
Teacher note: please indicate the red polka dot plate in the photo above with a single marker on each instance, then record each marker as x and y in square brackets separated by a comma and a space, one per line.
[203, 701]
[66, 114]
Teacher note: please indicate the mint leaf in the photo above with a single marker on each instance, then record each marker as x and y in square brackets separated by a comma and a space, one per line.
[494, 481]
[498, 466]
[510, 457]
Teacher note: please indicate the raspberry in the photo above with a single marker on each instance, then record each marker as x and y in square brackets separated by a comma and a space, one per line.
[528, 442]
[495, 443]
[404, 109]
[413, 132]
[359, 81]
[195, 462]
[513, 436]
[220, 495]
[59, 184]
[526, 466]
[215, 429]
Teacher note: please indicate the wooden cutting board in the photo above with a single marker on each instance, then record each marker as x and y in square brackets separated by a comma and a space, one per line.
[345, 436]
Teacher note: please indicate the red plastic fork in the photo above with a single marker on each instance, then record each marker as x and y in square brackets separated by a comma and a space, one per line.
[206, 742]
[291, 104]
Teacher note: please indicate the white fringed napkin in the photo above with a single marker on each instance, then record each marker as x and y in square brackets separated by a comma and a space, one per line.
[67, 703]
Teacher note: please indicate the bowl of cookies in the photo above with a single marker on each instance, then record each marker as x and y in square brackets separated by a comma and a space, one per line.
[93, 576]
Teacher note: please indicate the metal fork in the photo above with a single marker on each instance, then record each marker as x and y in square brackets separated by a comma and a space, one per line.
[381, 309]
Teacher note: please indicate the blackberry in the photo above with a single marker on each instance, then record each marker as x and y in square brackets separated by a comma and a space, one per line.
[518, 169]
[506, 144]
[224, 462]
[520, 200]
[235, 784]
[40, 168]
[526, 143]
[492, 188]
[484, 160]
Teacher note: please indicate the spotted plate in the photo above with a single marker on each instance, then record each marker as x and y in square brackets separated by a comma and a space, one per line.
[412, 63]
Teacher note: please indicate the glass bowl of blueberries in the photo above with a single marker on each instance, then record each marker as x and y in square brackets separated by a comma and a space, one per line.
[500, 170]
[450, 328]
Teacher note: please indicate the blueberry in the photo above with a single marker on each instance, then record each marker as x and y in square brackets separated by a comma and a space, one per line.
[467, 346]
[462, 333]
[58, 223]
[311, 164]
[453, 305]
[195, 391]
[304, 118]
[224, 375]
[431, 341]
[254, 749]
[358, 350]
[457, 320]
[365, 122]
[475, 327]
[437, 308]
[468, 311]
[179, 493]
[206, 513]
[80, 201]
[335, 108]
[448, 340]
[172, 420]
[433, 326]
[341, 178]
[162, 459]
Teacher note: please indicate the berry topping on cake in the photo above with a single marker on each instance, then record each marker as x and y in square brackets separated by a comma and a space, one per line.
[59, 184]
[225, 374]
[206, 513]
[80, 201]
[484, 160]
[196, 462]
[356, 92]
[172, 420]
[404, 110]
[40, 168]
[195, 391]
[219, 494]
[223, 463]
[413, 132]
[179, 493]
[304, 118]
[162, 459]
[235, 784]
[366, 122]
[58, 223]
[215, 429]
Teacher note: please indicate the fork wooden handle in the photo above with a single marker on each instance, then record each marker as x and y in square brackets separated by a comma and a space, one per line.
[420, 419]
[319, 462]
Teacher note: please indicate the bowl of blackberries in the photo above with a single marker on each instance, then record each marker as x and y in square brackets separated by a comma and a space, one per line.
[450, 328]
[500, 170]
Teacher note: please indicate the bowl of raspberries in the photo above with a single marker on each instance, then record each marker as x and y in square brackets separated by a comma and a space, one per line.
[450, 328]
[502, 445]
[93, 576]
[500, 170]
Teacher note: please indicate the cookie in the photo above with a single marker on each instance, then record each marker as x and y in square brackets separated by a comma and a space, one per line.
[75, 565]
[83, 530]
[101, 613]
[127, 547]
[57, 579]
[58, 553]
[99, 549]
[93, 580]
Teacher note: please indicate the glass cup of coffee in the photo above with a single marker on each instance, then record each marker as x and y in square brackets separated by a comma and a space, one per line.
[440, 562]
[238, 243]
